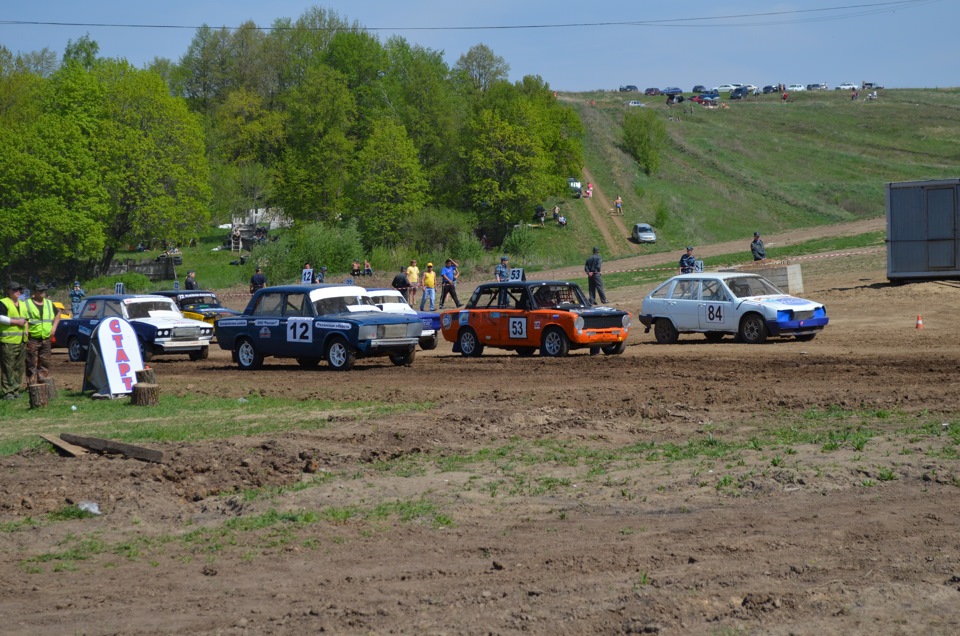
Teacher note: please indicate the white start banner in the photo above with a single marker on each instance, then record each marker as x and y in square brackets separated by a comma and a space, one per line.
[119, 353]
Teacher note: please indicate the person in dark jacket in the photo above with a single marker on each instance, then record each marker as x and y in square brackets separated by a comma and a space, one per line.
[257, 281]
[687, 262]
[400, 282]
[594, 277]
[756, 248]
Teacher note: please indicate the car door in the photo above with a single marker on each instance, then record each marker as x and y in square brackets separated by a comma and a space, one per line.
[716, 307]
[514, 329]
[266, 330]
[88, 318]
[683, 304]
[296, 319]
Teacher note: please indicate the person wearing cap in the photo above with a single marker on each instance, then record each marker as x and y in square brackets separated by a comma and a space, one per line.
[429, 282]
[44, 318]
[413, 279]
[501, 272]
[191, 282]
[322, 276]
[687, 262]
[448, 280]
[13, 335]
[257, 281]
[594, 277]
[756, 248]
[76, 295]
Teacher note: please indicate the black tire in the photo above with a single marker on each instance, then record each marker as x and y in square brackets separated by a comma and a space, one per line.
[555, 343]
[403, 359]
[470, 346]
[526, 352]
[807, 337]
[340, 355]
[615, 349]
[75, 350]
[203, 354]
[145, 353]
[753, 329]
[665, 332]
[247, 357]
[308, 363]
[430, 343]
[714, 336]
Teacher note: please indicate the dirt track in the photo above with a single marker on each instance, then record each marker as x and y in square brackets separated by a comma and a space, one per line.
[673, 490]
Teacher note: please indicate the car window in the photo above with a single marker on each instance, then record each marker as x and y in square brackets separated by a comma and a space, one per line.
[713, 290]
[486, 297]
[336, 305]
[268, 305]
[296, 305]
[752, 286]
[662, 291]
[113, 308]
[686, 290]
[91, 309]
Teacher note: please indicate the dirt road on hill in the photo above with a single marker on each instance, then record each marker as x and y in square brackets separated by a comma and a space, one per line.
[600, 208]
[786, 488]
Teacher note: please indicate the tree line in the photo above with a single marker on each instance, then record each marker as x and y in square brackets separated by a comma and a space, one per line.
[315, 116]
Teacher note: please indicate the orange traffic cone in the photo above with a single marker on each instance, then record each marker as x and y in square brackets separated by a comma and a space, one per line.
[919, 322]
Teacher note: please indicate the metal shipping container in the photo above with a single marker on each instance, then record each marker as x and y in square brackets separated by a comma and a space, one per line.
[923, 230]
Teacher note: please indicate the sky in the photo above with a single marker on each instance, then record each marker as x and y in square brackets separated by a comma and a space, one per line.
[572, 45]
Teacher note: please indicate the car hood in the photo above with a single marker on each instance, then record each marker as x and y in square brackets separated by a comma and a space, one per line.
[168, 322]
[781, 302]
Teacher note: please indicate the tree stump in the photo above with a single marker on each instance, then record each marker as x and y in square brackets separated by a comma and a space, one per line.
[51, 389]
[145, 394]
[146, 376]
[38, 395]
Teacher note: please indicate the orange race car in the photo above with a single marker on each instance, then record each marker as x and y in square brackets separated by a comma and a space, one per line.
[551, 316]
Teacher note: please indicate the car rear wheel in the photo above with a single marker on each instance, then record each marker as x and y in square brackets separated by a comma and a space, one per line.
[75, 350]
[555, 343]
[403, 359]
[340, 356]
[807, 337]
[247, 357]
[308, 363]
[526, 352]
[665, 332]
[470, 347]
[714, 336]
[429, 343]
[203, 354]
[615, 349]
[753, 329]
[145, 353]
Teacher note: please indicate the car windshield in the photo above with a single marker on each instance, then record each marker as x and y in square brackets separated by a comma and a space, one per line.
[199, 302]
[145, 309]
[387, 300]
[745, 286]
[555, 295]
[343, 304]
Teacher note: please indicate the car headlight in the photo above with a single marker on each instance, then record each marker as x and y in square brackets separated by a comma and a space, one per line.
[369, 332]
[578, 323]
[784, 315]
[626, 321]
[163, 333]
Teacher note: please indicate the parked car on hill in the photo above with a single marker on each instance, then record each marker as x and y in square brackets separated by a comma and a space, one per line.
[847, 86]
[635, 103]
[628, 88]
[770, 88]
[160, 327]
[336, 323]
[524, 316]
[652, 91]
[740, 92]
[725, 88]
[716, 304]
[796, 88]
[643, 233]
[671, 90]
[699, 88]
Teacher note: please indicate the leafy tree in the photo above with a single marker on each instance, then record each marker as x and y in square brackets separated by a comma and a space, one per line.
[389, 184]
[436, 230]
[482, 66]
[83, 52]
[644, 136]
[203, 73]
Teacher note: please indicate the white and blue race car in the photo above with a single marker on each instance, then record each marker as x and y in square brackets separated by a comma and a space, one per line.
[392, 301]
[747, 306]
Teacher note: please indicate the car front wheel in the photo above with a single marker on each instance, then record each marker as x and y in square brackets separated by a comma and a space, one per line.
[403, 359]
[203, 354]
[246, 356]
[665, 332]
[614, 349]
[470, 347]
[807, 337]
[75, 350]
[429, 343]
[340, 356]
[753, 329]
[555, 344]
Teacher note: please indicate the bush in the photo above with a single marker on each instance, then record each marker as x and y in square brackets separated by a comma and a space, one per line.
[133, 283]
[316, 243]
[519, 242]
[644, 135]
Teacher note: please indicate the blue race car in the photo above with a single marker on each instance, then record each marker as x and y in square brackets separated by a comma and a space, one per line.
[392, 301]
[336, 323]
[159, 325]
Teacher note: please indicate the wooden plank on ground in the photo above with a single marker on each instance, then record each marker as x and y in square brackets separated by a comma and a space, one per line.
[66, 447]
[109, 446]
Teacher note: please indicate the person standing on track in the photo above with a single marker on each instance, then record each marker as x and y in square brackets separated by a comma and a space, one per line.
[687, 262]
[44, 318]
[757, 249]
[13, 335]
[618, 205]
[594, 277]
[448, 281]
[257, 281]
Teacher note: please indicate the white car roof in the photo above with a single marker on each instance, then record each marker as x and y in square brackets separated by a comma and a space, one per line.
[336, 292]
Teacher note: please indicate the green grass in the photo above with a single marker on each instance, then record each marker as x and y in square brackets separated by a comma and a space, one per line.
[177, 418]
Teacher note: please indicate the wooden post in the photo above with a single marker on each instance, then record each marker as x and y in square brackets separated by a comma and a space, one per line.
[145, 394]
[51, 389]
[38, 395]
[146, 376]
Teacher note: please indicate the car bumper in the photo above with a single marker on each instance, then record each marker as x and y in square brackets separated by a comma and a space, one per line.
[796, 327]
[179, 346]
[598, 337]
[386, 346]
[647, 321]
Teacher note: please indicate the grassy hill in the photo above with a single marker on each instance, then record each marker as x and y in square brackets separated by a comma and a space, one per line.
[764, 165]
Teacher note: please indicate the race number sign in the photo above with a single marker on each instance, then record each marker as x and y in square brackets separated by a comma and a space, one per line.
[299, 329]
[713, 313]
[306, 276]
[118, 288]
[518, 328]
[516, 275]
[698, 266]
